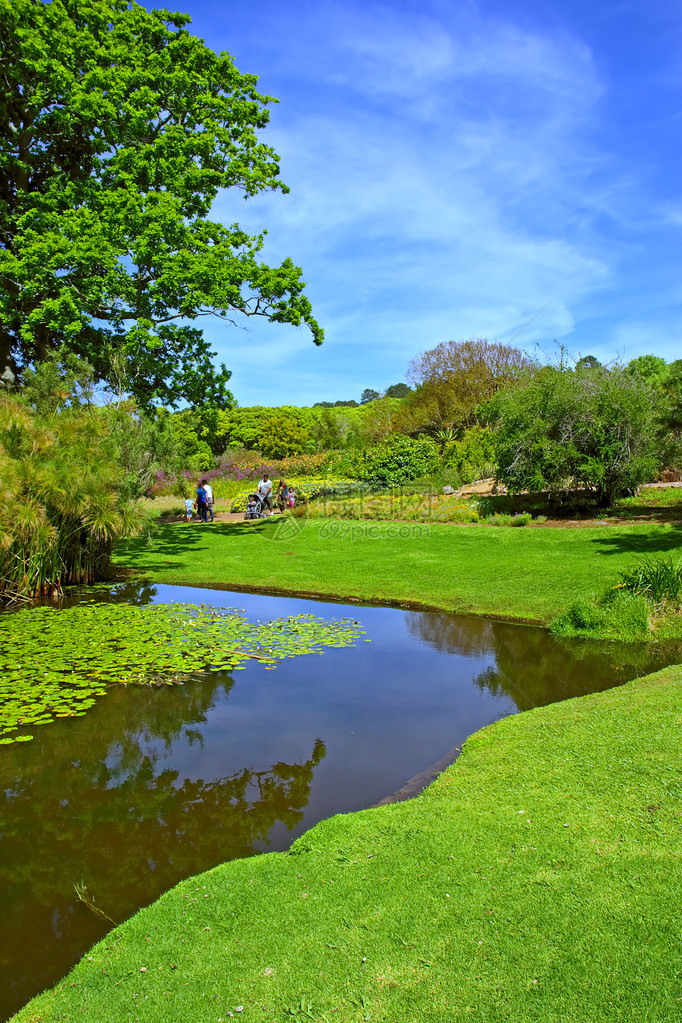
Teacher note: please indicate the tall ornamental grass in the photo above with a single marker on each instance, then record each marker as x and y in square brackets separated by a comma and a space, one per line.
[659, 580]
[63, 495]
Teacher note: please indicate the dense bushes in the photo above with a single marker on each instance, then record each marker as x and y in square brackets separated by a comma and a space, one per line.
[472, 457]
[281, 436]
[589, 427]
[287, 429]
[398, 460]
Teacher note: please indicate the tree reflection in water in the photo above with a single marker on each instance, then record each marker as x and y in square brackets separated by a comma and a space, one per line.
[97, 800]
[531, 666]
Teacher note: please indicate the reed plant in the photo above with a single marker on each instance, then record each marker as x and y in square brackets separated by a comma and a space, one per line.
[64, 495]
[659, 580]
[648, 597]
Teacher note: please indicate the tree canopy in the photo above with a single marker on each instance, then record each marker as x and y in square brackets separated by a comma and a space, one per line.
[369, 394]
[455, 378]
[397, 391]
[118, 128]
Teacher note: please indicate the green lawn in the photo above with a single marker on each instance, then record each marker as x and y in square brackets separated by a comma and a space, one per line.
[528, 574]
[538, 879]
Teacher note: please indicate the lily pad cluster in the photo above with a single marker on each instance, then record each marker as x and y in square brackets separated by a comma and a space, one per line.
[55, 663]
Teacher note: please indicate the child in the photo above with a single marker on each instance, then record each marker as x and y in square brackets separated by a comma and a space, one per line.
[188, 509]
[282, 495]
[251, 506]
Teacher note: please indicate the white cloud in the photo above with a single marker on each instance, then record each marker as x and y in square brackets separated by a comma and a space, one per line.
[447, 180]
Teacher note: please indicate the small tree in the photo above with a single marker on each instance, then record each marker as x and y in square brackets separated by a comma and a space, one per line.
[649, 367]
[588, 362]
[588, 427]
[397, 391]
[368, 395]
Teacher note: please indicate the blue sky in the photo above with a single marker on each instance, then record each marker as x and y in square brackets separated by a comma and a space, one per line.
[455, 169]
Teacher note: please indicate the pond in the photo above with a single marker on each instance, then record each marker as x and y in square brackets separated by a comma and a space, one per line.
[155, 784]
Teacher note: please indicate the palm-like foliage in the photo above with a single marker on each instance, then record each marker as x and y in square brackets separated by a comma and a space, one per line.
[64, 493]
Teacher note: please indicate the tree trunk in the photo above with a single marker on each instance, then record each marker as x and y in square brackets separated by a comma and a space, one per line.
[8, 368]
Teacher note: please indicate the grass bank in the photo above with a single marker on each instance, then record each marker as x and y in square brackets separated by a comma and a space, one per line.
[538, 879]
[522, 574]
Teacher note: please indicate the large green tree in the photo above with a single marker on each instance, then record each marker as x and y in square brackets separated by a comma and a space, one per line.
[118, 128]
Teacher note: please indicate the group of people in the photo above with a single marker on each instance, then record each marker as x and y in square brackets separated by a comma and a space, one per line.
[284, 495]
[202, 503]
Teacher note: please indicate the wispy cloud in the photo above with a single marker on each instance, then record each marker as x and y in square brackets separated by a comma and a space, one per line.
[450, 175]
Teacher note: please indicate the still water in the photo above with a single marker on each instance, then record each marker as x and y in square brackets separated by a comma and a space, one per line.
[154, 785]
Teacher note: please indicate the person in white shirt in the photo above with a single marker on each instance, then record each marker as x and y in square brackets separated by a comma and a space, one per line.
[265, 492]
[209, 497]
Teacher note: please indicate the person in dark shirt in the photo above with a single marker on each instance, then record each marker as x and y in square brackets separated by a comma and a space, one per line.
[200, 504]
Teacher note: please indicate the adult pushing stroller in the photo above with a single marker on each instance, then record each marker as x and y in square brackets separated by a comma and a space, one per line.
[254, 507]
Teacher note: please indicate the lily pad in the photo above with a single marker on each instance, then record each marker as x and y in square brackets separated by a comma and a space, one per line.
[54, 663]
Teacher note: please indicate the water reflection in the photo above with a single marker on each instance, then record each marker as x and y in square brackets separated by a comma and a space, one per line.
[127, 823]
[128, 591]
[532, 667]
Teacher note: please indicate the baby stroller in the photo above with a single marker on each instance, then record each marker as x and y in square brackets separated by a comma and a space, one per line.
[254, 507]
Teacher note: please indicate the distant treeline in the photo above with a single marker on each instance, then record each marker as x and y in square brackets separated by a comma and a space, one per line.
[394, 391]
[287, 429]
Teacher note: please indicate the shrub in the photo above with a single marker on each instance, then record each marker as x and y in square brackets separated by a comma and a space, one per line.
[589, 427]
[522, 519]
[473, 456]
[582, 616]
[620, 616]
[398, 460]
